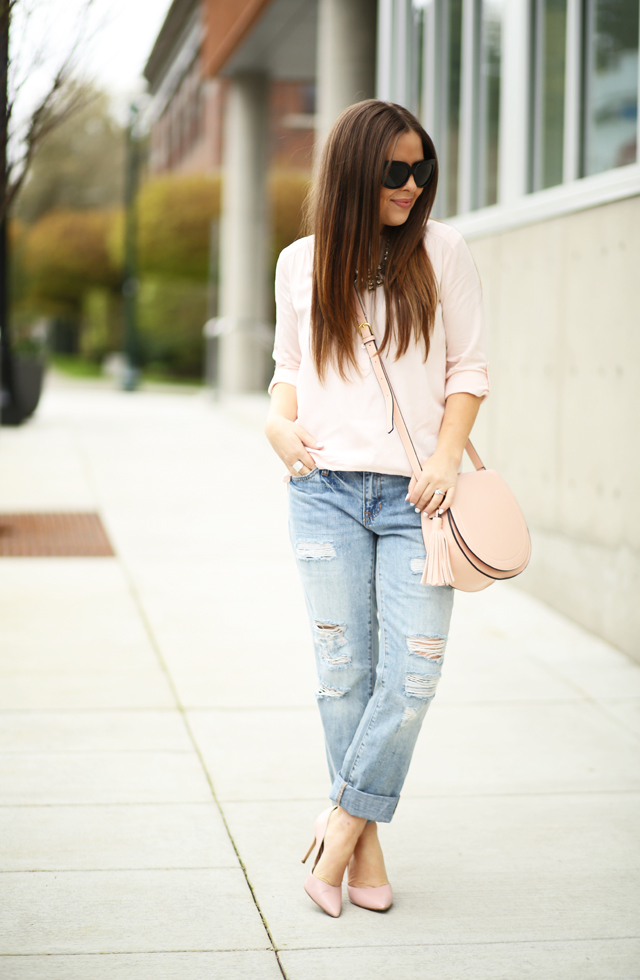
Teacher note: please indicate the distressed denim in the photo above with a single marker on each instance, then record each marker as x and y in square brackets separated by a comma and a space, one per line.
[379, 635]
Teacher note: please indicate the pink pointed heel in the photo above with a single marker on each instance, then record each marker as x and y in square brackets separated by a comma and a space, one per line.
[377, 899]
[328, 897]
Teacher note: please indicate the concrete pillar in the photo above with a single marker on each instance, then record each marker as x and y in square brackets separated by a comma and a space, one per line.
[243, 236]
[346, 57]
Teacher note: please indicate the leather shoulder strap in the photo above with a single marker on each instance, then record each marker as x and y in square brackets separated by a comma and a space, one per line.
[394, 415]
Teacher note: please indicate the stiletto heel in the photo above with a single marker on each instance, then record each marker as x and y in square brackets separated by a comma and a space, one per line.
[328, 897]
[313, 844]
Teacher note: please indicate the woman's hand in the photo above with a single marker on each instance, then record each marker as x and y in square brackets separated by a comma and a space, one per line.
[439, 472]
[290, 440]
[285, 435]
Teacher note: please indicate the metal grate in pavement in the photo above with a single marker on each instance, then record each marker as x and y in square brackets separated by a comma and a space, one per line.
[62, 535]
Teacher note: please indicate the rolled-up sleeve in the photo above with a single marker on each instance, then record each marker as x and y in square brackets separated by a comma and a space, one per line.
[286, 350]
[464, 325]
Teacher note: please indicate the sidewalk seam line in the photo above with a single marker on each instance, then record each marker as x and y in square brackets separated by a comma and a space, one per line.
[471, 942]
[95, 871]
[143, 952]
[180, 707]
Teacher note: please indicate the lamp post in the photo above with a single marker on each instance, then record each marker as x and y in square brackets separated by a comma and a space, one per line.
[131, 372]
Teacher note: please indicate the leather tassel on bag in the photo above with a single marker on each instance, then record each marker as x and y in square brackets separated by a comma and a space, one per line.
[437, 567]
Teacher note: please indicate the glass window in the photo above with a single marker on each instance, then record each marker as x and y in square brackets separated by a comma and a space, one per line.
[480, 115]
[548, 47]
[610, 84]
[451, 41]
[414, 101]
[400, 55]
[489, 102]
[443, 21]
[466, 56]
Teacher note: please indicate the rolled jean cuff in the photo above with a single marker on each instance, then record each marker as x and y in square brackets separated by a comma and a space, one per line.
[359, 804]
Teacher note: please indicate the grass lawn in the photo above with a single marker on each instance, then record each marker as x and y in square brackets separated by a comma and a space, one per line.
[75, 366]
[78, 367]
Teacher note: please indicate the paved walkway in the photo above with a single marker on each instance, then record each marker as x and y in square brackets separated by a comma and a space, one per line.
[162, 758]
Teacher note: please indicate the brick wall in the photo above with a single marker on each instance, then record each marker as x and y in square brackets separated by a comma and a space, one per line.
[291, 132]
[187, 138]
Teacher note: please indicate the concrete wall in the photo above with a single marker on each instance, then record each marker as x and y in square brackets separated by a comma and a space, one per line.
[563, 420]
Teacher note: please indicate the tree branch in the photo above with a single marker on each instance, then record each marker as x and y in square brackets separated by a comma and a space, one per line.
[61, 100]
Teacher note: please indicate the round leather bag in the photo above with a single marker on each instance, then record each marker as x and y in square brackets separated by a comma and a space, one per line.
[487, 535]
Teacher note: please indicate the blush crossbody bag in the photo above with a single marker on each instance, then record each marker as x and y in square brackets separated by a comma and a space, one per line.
[483, 536]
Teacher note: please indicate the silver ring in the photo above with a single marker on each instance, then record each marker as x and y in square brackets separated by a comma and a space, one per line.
[297, 466]
[439, 491]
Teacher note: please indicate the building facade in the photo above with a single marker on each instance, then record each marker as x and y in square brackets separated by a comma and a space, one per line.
[532, 105]
[186, 115]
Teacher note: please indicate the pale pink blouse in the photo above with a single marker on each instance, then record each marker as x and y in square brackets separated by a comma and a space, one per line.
[348, 417]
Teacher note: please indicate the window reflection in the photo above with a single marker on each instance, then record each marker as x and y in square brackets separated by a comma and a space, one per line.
[474, 51]
[491, 57]
[447, 54]
[548, 43]
[580, 58]
[417, 58]
[451, 134]
[610, 84]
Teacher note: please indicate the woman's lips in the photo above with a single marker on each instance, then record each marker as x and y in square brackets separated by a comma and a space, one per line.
[403, 202]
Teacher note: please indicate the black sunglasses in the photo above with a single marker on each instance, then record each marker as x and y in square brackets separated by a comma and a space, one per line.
[399, 172]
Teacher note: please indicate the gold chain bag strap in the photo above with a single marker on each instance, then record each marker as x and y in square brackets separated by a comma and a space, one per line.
[484, 536]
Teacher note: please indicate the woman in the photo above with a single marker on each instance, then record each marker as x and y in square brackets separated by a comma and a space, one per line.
[355, 510]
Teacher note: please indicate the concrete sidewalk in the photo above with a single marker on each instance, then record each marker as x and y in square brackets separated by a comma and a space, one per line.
[162, 758]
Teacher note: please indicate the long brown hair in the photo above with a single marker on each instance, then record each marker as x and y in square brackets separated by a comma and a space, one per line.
[344, 213]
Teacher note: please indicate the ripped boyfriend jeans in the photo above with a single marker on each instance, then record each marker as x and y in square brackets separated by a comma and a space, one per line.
[379, 635]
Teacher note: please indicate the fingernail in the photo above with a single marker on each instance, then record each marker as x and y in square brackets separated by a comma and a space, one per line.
[407, 497]
[417, 510]
[319, 445]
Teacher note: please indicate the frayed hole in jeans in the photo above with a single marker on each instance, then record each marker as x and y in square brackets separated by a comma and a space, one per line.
[421, 686]
[315, 550]
[327, 691]
[330, 643]
[431, 647]
[408, 716]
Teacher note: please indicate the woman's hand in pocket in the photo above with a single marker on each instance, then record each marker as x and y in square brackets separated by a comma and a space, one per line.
[290, 441]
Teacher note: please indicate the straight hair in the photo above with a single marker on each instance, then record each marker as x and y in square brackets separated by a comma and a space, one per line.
[344, 214]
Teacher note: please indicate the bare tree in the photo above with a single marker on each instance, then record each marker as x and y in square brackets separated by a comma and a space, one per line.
[19, 142]
[60, 99]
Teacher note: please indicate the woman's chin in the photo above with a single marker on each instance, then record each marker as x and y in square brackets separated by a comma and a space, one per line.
[394, 220]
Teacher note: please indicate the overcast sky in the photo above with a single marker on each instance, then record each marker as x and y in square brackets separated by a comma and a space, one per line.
[121, 34]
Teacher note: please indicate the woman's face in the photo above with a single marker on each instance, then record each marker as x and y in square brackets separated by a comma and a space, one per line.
[395, 205]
